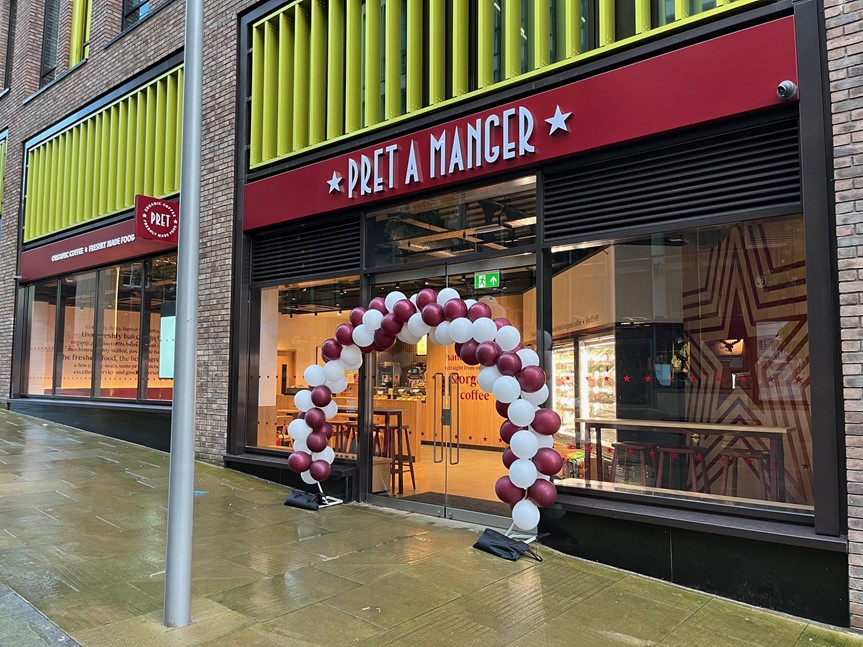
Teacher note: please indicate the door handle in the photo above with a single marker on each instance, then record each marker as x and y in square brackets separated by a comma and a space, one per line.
[437, 415]
[455, 419]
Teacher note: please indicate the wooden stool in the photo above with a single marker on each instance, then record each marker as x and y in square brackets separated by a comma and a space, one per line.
[730, 458]
[396, 451]
[629, 448]
[344, 436]
[692, 452]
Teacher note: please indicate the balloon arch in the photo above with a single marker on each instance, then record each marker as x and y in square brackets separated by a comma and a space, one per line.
[510, 371]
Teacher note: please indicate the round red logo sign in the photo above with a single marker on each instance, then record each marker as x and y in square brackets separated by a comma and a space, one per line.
[160, 220]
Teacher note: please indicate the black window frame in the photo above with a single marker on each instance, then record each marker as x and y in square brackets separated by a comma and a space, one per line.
[11, 23]
[134, 11]
[50, 45]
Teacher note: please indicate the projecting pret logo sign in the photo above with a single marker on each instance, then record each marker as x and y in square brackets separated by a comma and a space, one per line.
[486, 280]
[157, 219]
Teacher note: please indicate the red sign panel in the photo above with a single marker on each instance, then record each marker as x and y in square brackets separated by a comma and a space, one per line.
[725, 76]
[111, 244]
[157, 219]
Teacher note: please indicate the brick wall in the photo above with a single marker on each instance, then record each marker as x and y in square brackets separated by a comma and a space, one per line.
[844, 22]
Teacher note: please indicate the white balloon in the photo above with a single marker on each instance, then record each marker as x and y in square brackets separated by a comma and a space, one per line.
[351, 356]
[353, 367]
[537, 397]
[528, 357]
[300, 445]
[416, 325]
[525, 515]
[333, 370]
[544, 441]
[362, 335]
[483, 329]
[408, 337]
[327, 455]
[460, 329]
[446, 294]
[392, 299]
[339, 385]
[508, 337]
[303, 400]
[522, 473]
[299, 429]
[331, 410]
[469, 302]
[542, 477]
[314, 375]
[506, 389]
[414, 299]
[487, 377]
[308, 478]
[524, 444]
[372, 320]
[442, 334]
[521, 413]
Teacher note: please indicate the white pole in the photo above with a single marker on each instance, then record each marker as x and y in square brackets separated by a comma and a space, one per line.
[178, 564]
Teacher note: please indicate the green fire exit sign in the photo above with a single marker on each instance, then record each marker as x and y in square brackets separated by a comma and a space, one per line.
[486, 280]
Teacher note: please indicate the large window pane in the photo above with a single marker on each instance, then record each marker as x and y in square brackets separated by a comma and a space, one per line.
[159, 317]
[119, 331]
[681, 364]
[77, 299]
[43, 318]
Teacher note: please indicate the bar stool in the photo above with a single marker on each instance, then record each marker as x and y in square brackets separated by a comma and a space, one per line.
[401, 461]
[730, 459]
[628, 449]
[693, 453]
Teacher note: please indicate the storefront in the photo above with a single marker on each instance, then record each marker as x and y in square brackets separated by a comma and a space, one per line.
[657, 228]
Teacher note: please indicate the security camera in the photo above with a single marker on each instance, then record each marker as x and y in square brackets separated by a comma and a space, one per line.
[787, 90]
[17, 277]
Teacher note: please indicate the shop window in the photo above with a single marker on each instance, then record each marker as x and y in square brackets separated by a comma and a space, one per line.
[296, 319]
[494, 218]
[50, 34]
[12, 19]
[133, 11]
[118, 331]
[74, 362]
[43, 320]
[681, 365]
[79, 42]
[159, 321]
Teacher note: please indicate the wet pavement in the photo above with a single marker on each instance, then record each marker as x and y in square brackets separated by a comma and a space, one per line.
[82, 541]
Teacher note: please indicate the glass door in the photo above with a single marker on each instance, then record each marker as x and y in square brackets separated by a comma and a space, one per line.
[436, 442]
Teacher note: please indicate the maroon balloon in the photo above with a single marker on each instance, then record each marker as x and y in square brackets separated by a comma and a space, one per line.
[467, 352]
[425, 297]
[390, 325]
[507, 492]
[321, 396]
[479, 310]
[507, 430]
[487, 353]
[547, 461]
[432, 314]
[356, 316]
[508, 458]
[315, 418]
[369, 349]
[379, 304]
[542, 493]
[326, 429]
[404, 309]
[546, 422]
[316, 441]
[299, 461]
[384, 341]
[531, 378]
[453, 309]
[301, 415]
[344, 333]
[502, 408]
[500, 322]
[320, 470]
[508, 363]
[331, 349]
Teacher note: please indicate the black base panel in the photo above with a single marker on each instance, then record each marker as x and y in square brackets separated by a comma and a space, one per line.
[338, 485]
[140, 426]
[805, 582]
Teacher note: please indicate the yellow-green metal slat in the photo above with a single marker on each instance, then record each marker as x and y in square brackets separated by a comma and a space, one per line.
[140, 141]
[373, 62]
[30, 197]
[511, 38]
[606, 22]
[460, 72]
[354, 66]
[150, 142]
[92, 183]
[393, 60]
[269, 99]
[569, 29]
[697, 7]
[84, 161]
[336, 69]
[681, 9]
[114, 157]
[318, 87]
[301, 77]
[52, 216]
[122, 159]
[76, 37]
[437, 51]
[159, 137]
[414, 76]
[257, 118]
[485, 43]
[66, 212]
[171, 143]
[719, 3]
[284, 109]
[541, 34]
[179, 127]
[104, 144]
[642, 16]
[43, 170]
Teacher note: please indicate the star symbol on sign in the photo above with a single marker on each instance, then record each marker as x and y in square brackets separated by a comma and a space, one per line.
[335, 182]
[626, 378]
[647, 378]
[558, 121]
